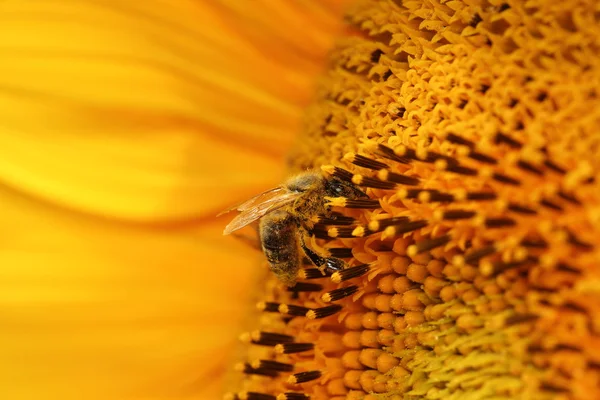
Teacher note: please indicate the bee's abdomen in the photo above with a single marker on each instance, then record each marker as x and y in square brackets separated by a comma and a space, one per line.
[279, 238]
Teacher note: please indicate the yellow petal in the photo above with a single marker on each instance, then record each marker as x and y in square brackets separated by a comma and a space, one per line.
[93, 309]
[143, 111]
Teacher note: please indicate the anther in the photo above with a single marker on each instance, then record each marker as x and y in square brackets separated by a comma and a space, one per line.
[483, 158]
[426, 245]
[502, 138]
[340, 252]
[550, 205]
[386, 175]
[294, 310]
[254, 396]
[528, 167]
[249, 370]
[350, 273]
[305, 287]
[551, 165]
[345, 232]
[380, 224]
[520, 209]
[369, 204]
[499, 222]
[312, 273]
[505, 179]
[519, 319]
[267, 338]
[406, 227]
[473, 256]
[390, 154]
[339, 294]
[338, 172]
[272, 365]
[375, 183]
[481, 196]
[568, 197]
[322, 312]
[452, 138]
[267, 306]
[488, 268]
[290, 348]
[450, 215]
[443, 165]
[293, 396]
[365, 162]
[302, 377]
[536, 243]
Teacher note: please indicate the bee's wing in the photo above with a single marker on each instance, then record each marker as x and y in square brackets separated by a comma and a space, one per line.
[264, 196]
[258, 206]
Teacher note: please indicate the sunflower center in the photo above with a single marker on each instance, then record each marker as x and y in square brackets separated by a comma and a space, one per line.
[473, 268]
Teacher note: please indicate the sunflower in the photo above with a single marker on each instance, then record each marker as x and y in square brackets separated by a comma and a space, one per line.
[126, 126]
[472, 271]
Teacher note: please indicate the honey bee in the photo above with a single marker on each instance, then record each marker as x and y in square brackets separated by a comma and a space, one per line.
[286, 215]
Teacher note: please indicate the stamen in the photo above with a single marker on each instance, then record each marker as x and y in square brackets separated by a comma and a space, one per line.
[293, 396]
[390, 154]
[452, 138]
[255, 396]
[364, 162]
[400, 229]
[355, 203]
[426, 245]
[520, 319]
[305, 287]
[322, 312]
[313, 273]
[499, 222]
[386, 175]
[272, 365]
[293, 310]
[451, 215]
[502, 138]
[266, 306]
[481, 196]
[350, 273]
[474, 256]
[340, 252]
[249, 370]
[338, 294]
[366, 181]
[551, 205]
[266, 338]
[528, 167]
[302, 377]
[291, 348]
[505, 179]
[521, 209]
[380, 224]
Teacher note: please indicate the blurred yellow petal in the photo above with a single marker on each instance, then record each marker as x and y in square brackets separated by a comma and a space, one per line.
[124, 127]
[124, 312]
[147, 110]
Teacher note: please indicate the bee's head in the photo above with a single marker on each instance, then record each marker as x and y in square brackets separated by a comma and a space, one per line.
[336, 187]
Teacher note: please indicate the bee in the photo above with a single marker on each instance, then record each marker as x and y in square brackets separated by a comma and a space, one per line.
[286, 215]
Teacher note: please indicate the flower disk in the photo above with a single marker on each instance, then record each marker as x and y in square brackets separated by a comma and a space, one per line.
[474, 269]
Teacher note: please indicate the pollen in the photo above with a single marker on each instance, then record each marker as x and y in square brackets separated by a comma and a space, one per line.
[472, 270]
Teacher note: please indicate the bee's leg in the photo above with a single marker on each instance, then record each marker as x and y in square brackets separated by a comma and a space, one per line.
[329, 263]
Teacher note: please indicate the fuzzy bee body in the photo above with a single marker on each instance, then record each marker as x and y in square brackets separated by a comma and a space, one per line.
[279, 240]
[287, 213]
